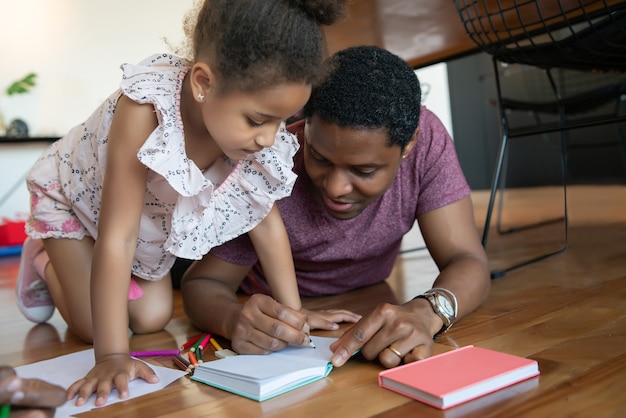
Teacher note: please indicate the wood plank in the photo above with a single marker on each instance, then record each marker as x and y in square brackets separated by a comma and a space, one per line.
[422, 32]
[568, 312]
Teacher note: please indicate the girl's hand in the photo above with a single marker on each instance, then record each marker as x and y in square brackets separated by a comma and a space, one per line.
[329, 319]
[112, 371]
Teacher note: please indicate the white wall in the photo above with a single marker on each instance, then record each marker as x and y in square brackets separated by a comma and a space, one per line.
[436, 97]
[435, 92]
[76, 48]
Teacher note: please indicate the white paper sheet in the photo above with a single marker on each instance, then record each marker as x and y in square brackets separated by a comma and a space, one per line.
[67, 369]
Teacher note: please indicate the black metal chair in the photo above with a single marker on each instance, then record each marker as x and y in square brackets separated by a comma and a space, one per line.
[580, 36]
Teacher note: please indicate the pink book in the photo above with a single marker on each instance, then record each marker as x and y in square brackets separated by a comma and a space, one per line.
[457, 376]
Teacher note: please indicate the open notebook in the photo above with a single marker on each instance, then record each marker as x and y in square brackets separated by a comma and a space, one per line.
[261, 377]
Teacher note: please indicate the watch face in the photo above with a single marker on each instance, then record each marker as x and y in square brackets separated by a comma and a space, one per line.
[445, 305]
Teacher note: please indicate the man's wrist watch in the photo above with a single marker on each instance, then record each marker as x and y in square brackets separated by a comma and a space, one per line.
[444, 304]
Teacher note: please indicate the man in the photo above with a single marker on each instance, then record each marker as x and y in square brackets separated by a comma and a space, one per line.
[29, 397]
[372, 161]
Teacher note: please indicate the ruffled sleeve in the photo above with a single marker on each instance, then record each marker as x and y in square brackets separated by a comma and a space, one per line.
[158, 80]
[221, 203]
[236, 206]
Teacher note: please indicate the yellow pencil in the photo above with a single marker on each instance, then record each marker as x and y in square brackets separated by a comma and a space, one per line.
[215, 344]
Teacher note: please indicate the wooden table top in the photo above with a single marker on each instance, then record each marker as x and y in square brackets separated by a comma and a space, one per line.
[421, 32]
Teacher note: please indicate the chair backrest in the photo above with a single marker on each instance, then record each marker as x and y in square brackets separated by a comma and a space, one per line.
[578, 34]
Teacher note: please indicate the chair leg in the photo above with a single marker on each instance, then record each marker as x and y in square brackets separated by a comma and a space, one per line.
[499, 180]
[620, 134]
[496, 274]
[511, 229]
[564, 164]
[622, 144]
[494, 187]
[502, 148]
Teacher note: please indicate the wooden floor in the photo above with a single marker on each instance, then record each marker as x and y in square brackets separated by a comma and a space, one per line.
[567, 311]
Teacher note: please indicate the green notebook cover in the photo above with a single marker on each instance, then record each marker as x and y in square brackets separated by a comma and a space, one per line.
[261, 377]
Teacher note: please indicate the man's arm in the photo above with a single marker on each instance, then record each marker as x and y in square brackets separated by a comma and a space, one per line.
[209, 289]
[452, 238]
[259, 326]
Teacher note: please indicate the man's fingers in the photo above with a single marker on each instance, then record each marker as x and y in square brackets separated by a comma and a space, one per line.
[37, 393]
[6, 371]
[419, 353]
[264, 308]
[355, 338]
[390, 357]
[264, 325]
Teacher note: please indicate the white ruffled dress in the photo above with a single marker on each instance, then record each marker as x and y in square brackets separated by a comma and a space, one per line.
[187, 211]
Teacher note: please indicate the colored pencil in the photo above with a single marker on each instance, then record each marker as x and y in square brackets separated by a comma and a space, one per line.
[204, 341]
[189, 343]
[183, 360]
[192, 358]
[155, 353]
[195, 346]
[182, 363]
[215, 344]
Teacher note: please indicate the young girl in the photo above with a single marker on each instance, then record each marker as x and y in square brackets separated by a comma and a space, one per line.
[183, 157]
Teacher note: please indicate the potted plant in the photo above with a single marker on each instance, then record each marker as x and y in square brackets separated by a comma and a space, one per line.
[17, 128]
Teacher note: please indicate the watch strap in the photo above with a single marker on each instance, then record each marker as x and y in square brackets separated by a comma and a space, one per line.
[443, 328]
[430, 296]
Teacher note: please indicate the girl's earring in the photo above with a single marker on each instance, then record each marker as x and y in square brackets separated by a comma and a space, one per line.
[200, 96]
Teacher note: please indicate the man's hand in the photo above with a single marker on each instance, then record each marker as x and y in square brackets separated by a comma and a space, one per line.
[392, 333]
[264, 326]
[29, 397]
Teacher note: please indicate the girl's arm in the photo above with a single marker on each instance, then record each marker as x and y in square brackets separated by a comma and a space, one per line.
[271, 243]
[123, 192]
[118, 225]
